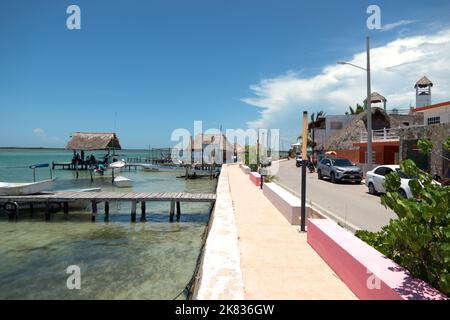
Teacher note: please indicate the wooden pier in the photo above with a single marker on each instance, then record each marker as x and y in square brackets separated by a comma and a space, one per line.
[85, 167]
[54, 202]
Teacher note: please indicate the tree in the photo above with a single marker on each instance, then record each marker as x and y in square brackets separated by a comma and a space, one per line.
[359, 109]
[419, 239]
[314, 118]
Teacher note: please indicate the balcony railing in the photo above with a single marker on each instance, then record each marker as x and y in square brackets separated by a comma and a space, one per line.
[386, 134]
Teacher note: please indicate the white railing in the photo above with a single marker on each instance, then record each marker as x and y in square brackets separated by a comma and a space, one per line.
[385, 134]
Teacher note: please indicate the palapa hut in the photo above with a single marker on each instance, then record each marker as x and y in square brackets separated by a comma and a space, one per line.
[89, 141]
[214, 148]
[375, 97]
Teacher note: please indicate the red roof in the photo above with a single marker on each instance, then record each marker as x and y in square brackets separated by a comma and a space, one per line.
[442, 104]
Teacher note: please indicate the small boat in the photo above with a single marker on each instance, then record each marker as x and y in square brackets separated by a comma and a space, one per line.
[77, 204]
[123, 182]
[117, 165]
[22, 189]
[149, 168]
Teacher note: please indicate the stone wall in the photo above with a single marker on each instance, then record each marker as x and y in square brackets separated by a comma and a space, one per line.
[438, 134]
[219, 276]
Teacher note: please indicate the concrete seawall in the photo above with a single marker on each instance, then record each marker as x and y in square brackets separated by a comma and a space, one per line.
[219, 276]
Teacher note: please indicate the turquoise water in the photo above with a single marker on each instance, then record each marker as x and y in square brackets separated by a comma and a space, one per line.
[118, 259]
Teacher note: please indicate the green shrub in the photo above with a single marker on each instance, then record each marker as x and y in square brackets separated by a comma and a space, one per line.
[419, 239]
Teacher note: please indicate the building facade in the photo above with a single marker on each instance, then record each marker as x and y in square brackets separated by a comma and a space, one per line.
[435, 114]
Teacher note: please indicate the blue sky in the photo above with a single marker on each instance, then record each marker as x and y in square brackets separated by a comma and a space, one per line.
[160, 65]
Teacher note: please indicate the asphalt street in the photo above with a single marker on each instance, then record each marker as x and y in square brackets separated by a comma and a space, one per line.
[348, 203]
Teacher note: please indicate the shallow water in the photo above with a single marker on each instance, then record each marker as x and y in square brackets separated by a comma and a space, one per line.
[118, 259]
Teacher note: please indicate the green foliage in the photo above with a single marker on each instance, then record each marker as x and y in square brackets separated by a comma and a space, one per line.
[270, 178]
[359, 109]
[447, 143]
[419, 239]
[425, 146]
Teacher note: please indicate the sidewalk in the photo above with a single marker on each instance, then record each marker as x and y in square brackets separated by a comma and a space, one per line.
[276, 261]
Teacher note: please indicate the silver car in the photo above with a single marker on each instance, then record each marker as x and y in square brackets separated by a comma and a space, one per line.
[339, 169]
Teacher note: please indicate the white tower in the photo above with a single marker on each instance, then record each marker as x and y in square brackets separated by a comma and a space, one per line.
[423, 92]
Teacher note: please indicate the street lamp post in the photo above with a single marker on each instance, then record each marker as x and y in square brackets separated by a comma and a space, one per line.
[369, 109]
[368, 103]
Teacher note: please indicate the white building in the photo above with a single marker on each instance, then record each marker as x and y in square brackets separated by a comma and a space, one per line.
[435, 114]
[326, 126]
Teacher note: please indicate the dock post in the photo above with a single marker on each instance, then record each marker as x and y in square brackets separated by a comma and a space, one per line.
[133, 211]
[66, 208]
[94, 210]
[31, 210]
[143, 211]
[47, 211]
[172, 209]
[178, 211]
[106, 211]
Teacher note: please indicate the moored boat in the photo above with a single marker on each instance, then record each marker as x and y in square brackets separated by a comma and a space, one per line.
[22, 189]
[150, 167]
[122, 182]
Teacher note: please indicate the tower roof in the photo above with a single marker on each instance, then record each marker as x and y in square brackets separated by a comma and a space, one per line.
[375, 97]
[423, 82]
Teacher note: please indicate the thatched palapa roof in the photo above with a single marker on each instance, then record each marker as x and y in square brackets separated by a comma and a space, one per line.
[375, 97]
[215, 139]
[423, 82]
[93, 141]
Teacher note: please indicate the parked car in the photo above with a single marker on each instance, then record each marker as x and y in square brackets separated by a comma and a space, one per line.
[375, 180]
[298, 160]
[339, 169]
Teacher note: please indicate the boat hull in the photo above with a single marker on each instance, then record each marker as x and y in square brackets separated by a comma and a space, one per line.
[23, 189]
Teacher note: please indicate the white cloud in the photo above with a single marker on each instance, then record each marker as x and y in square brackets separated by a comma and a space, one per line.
[394, 25]
[39, 132]
[396, 67]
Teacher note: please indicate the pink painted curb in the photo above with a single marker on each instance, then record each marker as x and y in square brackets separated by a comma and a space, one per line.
[361, 267]
[255, 178]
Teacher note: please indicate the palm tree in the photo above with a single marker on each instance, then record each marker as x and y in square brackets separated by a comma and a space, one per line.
[359, 109]
[314, 119]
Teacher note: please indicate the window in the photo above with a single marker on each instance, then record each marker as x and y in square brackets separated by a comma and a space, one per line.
[381, 171]
[335, 125]
[433, 120]
[341, 162]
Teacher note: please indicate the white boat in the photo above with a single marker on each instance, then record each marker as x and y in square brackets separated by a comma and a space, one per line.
[77, 204]
[123, 182]
[118, 164]
[22, 189]
[149, 167]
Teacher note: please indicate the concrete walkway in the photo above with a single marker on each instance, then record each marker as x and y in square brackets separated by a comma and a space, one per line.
[276, 261]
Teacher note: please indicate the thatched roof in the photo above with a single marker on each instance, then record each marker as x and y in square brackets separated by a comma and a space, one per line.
[93, 141]
[215, 139]
[423, 82]
[375, 97]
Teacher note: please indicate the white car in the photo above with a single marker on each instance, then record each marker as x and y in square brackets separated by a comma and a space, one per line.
[375, 180]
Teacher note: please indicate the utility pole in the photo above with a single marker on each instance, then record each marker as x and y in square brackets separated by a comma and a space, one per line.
[303, 175]
[369, 110]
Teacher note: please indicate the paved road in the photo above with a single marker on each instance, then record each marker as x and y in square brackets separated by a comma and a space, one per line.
[350, 202]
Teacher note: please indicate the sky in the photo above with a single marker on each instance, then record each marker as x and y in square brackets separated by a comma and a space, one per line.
[146, 68]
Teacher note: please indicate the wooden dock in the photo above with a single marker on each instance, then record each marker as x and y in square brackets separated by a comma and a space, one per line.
[54, 202]
[85, 167]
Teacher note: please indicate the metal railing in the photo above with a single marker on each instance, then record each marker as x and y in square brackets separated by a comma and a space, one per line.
[385, 134]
